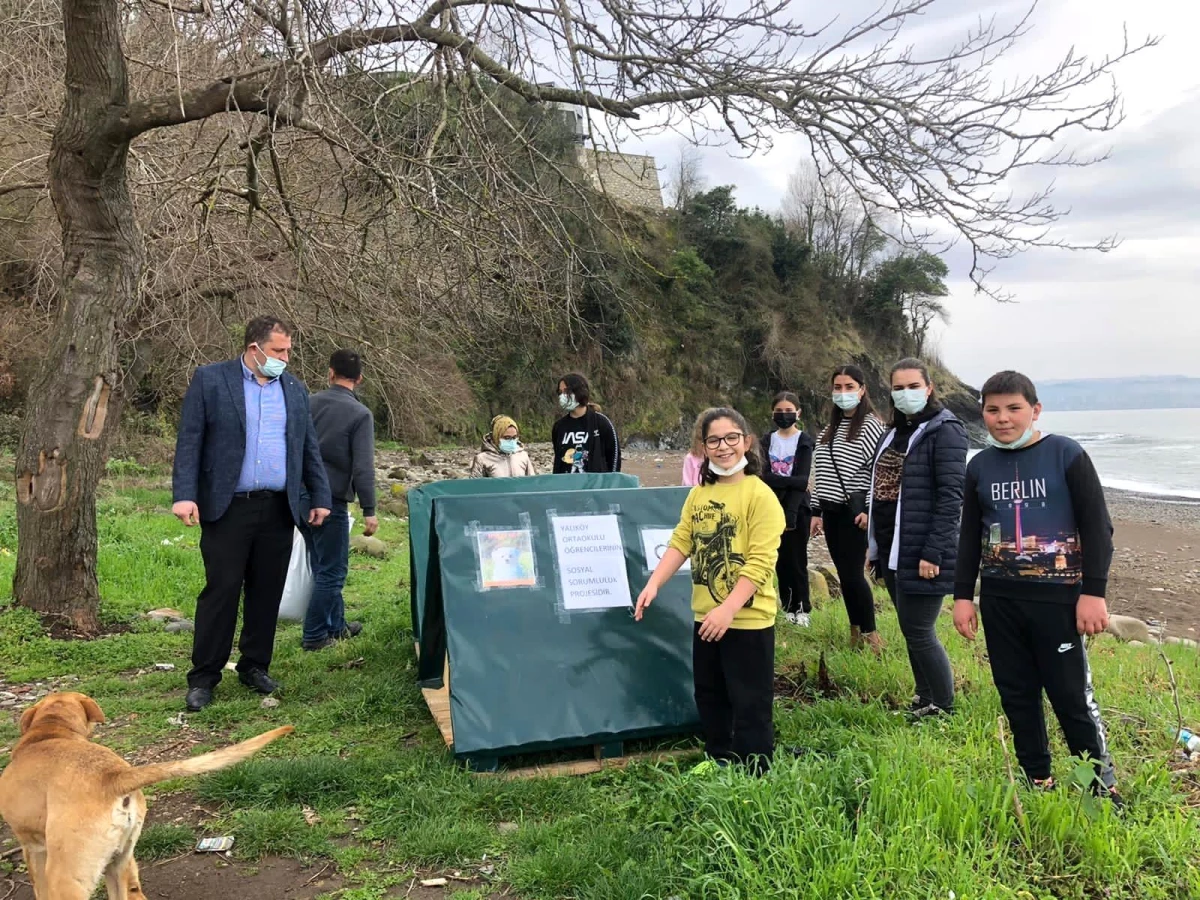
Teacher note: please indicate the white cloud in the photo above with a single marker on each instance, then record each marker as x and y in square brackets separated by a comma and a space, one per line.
[1079, 314]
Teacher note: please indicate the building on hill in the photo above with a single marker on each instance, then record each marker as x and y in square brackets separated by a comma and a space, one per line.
[629, 179]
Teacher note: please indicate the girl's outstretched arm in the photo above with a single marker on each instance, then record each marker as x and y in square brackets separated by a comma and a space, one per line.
[667, 566]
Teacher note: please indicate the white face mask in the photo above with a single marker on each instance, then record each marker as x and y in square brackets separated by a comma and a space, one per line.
[270, 367]
[1012, 445]
[732, 470]
[910, 401]
[567, 402]
[846, 402]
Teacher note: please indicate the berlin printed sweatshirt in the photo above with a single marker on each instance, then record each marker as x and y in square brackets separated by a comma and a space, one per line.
[1035, 525]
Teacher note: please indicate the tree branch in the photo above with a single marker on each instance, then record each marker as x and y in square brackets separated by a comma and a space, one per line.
[195, 9]
[23, 186]
[919, 137]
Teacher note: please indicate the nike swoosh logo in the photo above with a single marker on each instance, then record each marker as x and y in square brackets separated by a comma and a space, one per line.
[1063, 648]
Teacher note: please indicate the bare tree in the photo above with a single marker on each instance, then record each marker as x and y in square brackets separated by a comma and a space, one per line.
[685, 179]
[917, 135]
[922, 312]
[913, 284]
[829, 215]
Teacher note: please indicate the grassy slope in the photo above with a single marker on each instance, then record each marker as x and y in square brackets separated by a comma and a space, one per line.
[880, 810]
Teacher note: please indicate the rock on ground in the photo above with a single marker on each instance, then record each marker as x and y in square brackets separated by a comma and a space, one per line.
[1129, 629]
[818, 588]
[371, 546]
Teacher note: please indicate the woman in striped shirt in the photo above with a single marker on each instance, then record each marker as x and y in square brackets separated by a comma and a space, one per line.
[841, 478]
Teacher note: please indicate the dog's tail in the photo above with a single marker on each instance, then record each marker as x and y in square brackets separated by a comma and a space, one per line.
[129, 780]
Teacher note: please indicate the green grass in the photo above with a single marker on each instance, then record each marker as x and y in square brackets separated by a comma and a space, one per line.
[165, 841]
[877, 808]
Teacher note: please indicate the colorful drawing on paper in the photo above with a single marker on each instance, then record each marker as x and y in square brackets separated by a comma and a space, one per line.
[506, 559]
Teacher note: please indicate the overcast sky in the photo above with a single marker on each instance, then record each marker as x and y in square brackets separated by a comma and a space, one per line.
[1133, 311]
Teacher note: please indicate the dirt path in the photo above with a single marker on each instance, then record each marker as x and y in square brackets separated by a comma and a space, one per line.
[206, 876]
[200, 876]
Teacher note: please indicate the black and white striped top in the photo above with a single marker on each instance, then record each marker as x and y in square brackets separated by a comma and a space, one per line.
[854, 460]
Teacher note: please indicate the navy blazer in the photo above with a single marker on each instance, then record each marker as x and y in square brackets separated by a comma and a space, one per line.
[211, 443]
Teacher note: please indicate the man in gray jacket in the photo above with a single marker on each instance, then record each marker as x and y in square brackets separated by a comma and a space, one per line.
[346, 434]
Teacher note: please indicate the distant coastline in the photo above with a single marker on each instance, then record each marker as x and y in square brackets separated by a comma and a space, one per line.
[1092, 394]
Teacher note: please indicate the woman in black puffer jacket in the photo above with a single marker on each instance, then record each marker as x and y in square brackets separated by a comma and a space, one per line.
[916, 503]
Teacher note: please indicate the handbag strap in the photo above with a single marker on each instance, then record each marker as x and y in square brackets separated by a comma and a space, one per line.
[836, 470]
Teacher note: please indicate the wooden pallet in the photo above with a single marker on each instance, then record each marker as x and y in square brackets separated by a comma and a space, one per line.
[604, 756]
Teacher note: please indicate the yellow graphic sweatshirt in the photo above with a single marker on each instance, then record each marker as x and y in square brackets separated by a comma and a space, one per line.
[730, 531]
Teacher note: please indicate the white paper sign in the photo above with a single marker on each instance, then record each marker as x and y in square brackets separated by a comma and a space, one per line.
[654, 543]
[591, 562]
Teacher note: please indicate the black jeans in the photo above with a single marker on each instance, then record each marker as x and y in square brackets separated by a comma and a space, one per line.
[250, 546]
[735, 692]
[918, 615]
[792, 568]
[848, 547]
[1034, 647]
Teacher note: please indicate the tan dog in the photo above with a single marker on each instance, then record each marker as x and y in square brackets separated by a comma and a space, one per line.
[77, 807]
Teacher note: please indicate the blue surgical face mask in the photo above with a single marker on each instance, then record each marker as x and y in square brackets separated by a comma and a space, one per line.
[509, 445]
[1012, 445]
[846, 402]
[270, 367]
[910, 401]
[567, 402]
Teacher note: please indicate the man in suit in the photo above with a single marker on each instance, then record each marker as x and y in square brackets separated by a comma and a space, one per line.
[246, 447]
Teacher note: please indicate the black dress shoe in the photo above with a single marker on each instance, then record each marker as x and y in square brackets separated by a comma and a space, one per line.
[258, 680]
[352, 629]
[198, 698]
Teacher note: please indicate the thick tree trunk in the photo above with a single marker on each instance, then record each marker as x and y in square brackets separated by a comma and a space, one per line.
[73, 407]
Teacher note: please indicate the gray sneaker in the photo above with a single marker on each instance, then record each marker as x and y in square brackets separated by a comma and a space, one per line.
[925, 713]
[319, 645]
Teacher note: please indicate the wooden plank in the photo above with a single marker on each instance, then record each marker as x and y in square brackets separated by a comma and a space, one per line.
[586, 766]
[438, 701]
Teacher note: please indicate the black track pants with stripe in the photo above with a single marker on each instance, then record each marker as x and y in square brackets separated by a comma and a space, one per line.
[1034, 647]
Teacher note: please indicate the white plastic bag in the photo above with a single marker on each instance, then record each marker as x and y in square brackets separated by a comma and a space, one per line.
[298, 588]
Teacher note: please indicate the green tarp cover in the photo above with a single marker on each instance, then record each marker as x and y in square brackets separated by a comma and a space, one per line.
[422, 546]
[529, 672]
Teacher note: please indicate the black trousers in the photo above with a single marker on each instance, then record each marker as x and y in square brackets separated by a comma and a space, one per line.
[249, 547]
[918, 615]
[792, 567]
[1034, 647]
[848, 548]
[735, 693]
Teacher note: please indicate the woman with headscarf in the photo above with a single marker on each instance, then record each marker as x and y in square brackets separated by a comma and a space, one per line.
[502, 455]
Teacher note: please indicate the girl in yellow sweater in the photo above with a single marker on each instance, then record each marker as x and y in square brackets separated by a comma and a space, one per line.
[730, 529]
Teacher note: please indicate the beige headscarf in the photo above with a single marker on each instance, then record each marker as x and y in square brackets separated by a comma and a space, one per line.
[501, 424]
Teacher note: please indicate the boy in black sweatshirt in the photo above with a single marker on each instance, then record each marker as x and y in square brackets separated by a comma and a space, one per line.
[1035, 519]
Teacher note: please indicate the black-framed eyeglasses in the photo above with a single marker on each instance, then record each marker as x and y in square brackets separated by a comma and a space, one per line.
[730, 440]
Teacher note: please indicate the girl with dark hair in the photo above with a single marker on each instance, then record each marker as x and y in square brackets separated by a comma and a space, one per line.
[787, 463]
[916, 500]
[730, 529]
[584, 439]
[841, 477]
